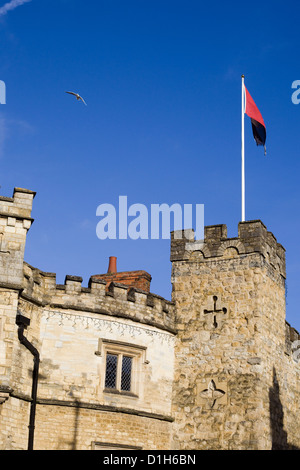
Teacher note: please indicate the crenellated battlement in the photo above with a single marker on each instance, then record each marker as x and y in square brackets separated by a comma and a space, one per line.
[253, 237]
[19, 206]
[100, 297]
[15, 221]
[292, 345]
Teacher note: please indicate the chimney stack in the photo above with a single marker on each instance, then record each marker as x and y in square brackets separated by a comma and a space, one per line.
[138, 279]
[112, 267]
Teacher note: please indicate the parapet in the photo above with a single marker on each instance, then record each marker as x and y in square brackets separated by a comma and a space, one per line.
[15, 221]
[253, 237]
[101, 297]
[19, 206]
[292, 342]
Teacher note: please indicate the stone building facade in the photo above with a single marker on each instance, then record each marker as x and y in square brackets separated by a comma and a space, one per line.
[114, 366]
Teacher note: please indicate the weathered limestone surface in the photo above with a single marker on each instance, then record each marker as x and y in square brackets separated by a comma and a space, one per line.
[236, 385]
[69, 324]
[215, 368]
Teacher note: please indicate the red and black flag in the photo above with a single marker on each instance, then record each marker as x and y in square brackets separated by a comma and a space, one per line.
[258, 125]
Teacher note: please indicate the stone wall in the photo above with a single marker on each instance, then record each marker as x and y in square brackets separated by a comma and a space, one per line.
[72, 327]
[15, 220]
[71, 380]
[78, 427]
[235, 386]
[215, 368]
[68, 326]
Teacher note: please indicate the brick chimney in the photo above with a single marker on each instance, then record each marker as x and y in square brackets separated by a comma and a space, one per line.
[139, 279]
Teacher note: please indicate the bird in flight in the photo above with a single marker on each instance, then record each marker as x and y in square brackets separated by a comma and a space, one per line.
[78, 97]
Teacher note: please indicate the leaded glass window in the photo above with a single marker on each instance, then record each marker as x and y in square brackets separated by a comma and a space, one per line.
[122, 368]
[118, 372]
[111, 371]
[126, 373]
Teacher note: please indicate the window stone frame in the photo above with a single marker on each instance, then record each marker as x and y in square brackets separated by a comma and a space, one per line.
[119, 348]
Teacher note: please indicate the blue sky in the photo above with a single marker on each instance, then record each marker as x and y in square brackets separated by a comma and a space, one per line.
[162, 82]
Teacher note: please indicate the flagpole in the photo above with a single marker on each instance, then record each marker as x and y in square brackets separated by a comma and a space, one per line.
[243, 149]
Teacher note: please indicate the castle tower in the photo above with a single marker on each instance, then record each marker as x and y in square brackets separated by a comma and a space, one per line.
[235, 386]
[15, 221]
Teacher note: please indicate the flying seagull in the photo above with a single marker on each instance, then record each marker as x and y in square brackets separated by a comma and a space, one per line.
[78, 97]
